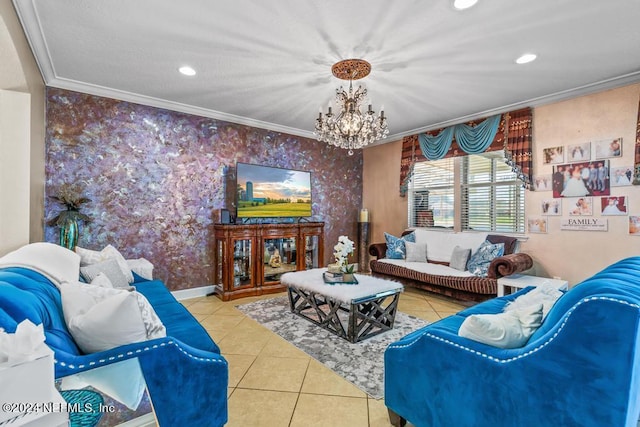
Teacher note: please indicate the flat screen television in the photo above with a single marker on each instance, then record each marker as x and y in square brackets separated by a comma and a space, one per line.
[269, 192]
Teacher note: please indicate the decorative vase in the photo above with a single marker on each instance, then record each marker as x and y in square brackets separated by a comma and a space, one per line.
[347, 277]
[69, 233]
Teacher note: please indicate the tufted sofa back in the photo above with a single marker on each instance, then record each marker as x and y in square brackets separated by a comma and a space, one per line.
[26, 294]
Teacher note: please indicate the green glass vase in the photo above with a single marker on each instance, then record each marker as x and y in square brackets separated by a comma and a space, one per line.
[69, 233]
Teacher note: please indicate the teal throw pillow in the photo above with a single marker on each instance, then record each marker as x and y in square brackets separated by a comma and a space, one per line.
[395, 245]
[479, 262]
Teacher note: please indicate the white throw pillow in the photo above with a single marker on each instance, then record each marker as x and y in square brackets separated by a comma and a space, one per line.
[459, 258]
[109, 268]
[416, 252]
[102, 318]
[89, 257]
[142, 267]
[102, 280]
[111, 252]
[504, 330]
[545, 294]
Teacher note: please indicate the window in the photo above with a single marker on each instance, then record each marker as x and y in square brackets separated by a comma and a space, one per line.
[489, 196]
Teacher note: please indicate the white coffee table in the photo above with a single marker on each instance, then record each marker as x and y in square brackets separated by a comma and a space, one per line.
[521, 281]
[353, 312]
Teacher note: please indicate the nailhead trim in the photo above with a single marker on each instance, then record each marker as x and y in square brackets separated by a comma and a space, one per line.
[528, 353]
[138, 351]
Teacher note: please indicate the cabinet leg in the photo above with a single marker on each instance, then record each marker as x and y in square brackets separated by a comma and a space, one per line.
[395, 419]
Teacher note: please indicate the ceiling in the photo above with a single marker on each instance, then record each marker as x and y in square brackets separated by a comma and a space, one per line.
[268, 64]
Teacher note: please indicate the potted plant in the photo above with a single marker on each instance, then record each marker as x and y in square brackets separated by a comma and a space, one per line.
[69, 196]
[341, 252]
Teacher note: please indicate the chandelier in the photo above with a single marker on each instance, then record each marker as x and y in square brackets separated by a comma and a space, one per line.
[350, 128]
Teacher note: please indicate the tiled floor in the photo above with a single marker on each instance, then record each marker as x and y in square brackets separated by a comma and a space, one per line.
[272, 383]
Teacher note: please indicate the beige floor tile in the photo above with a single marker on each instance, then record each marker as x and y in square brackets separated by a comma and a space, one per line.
[319, 410]
[248, 408]
[378, 415]
[230, 391]
[189, 301]
[430, 315]
[219, 322]
[275, 373]
[209, 306]
[200, 317]
[241, 341]
[229, 309]
[239, 364]
[413, 304]
[279, 347]
[445, 305]
[322, 380]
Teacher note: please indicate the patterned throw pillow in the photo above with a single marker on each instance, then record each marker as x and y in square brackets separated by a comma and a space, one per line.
[395, 245]
[480, 260]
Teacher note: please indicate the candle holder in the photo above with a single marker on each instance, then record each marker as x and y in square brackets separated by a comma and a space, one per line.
[363, 241]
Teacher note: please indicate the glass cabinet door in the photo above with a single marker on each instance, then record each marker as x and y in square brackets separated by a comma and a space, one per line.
[280, 255]
[242, 263]
[311, 252]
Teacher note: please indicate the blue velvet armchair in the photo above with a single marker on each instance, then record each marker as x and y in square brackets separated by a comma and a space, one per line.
[580, 368]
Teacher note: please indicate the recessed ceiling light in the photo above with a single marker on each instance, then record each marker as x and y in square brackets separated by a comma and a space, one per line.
[464, 4]
[526, 58]
[187, 71]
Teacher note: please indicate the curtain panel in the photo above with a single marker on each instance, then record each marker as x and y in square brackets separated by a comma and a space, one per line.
[518, 146]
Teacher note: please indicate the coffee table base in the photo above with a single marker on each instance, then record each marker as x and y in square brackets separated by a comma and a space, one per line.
[361, 319]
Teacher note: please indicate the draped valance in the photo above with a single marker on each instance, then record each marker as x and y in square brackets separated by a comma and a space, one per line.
[474, 137]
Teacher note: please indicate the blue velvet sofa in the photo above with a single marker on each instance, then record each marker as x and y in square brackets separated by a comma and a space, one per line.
[186, 376]
[580, 368]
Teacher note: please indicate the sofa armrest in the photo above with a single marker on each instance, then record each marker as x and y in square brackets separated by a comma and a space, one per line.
[176, 375]
[378, 250]
[507, 265]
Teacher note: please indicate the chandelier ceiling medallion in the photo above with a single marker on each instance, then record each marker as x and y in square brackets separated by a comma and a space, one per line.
[350, 128]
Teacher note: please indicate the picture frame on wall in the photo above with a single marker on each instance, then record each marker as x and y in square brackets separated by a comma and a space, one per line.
[537, 224]
[608, 148]
[614, 205]
[551, 207]
[582, 206]
[621, 176]
[542, 183]
[579, 152]
[553, 155]
[634, 225]
[581, 179]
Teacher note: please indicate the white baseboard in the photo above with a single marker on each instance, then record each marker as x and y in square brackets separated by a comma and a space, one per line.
[193, 292]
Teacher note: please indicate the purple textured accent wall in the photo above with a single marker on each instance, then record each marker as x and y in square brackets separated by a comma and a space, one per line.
[155, 177]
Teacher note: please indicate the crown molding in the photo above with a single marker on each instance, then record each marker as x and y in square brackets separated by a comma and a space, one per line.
[150, 101]
[564, 95]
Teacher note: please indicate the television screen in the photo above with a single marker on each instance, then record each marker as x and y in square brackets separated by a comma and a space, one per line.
[265, 191]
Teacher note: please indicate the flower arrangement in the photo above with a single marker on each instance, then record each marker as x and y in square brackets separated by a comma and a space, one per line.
[341, 252]
[69, 196]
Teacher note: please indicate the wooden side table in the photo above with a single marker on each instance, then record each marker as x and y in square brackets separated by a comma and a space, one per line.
[521, 281]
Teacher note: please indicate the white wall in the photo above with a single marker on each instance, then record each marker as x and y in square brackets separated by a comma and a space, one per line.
[19, 74]
[14, 176]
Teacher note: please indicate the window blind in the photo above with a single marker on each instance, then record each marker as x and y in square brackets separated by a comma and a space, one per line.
[492, 199]
[431, 194]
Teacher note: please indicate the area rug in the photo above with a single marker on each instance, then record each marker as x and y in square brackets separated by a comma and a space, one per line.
[361, 363]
